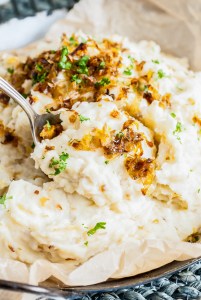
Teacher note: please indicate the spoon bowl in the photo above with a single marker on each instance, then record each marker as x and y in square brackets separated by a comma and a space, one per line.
[37, 121]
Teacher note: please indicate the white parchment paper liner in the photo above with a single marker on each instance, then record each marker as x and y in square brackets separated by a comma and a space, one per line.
[176, 26]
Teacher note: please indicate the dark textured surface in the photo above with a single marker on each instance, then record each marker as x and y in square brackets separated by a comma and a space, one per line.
[24, 8]
[181, 285]
[184, 285]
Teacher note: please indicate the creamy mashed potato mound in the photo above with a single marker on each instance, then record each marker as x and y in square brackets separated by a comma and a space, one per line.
[123, 165]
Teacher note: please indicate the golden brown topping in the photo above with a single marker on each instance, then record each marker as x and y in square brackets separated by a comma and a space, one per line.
[197, 120]
[114, 114]
[4, 99]
[51, 131]
[8, 136]
[140, 168]
[122, 142]
[36, 192]
[140, 66]
[11, 248]
[73, 117]
[49, 148]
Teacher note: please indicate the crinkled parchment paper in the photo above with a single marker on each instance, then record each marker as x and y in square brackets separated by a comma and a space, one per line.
[176, 26]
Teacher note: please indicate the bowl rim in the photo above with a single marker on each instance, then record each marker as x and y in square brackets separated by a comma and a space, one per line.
[50, 288]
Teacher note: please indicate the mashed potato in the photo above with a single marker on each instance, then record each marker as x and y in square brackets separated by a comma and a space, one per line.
[123, 165]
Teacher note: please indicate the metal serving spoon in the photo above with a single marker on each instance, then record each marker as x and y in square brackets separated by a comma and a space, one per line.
[37, 122]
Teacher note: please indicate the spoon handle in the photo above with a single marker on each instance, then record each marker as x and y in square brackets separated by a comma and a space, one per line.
[17, 97]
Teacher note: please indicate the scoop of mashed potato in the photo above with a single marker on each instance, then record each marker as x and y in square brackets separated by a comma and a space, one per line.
[124, 164]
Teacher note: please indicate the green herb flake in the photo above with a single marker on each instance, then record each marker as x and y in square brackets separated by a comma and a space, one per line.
[198, 191]
[82, 118]
[106, 162]
[161, 74]
[48, 110]
[32, 145]
[63, 63]
[39, 68]
[98, 226]
[155, 61]
[86, 243]
[60, 164]
[173, 115]
[48, 125]
[102, 65]
[82, 65]
[76, 79]
[131, 59]
[72, 41]
[119, 135]
[127, 72]
[10, 70]
[104, 81]
[3, 199]
[178, 130]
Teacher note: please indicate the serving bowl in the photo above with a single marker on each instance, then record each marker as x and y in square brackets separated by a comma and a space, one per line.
[52, 288]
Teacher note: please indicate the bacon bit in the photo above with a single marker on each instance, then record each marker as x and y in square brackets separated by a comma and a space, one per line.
[114, 114]
[166, 99]
[140, 168]
[4, 99]
[123, 93]
[140, 66]
[80, 47]
[11, 248]
[73, 117]
[49, 148]
[8, 135]
[128, 124]
[43, 200]
[126, 142]
[148, 96]
[58, 206]
[150, 144]
[197, 120]
[33, 99]
[36, 192]
[102, 188]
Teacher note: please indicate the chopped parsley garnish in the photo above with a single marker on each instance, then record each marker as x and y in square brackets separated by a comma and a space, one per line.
[102, 65]
[161, 74]
[48, 125]
[24, 95]
[83, 118]
[10, 70]
[119, 135]
[127, 71]
[173, 115]
[86, 243]
[106, 162]
[98, 226]
[32, 145]
[60, 164]
[52, 51]
[73, 41]
[63, 63]
[82, 63]
[39, 68]
[76, 79]
[39, 77]
[48, 110]
[4, 198]
[178, 130]
[104, 81]
[131, 59]
[155, 61]
[198, 191]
